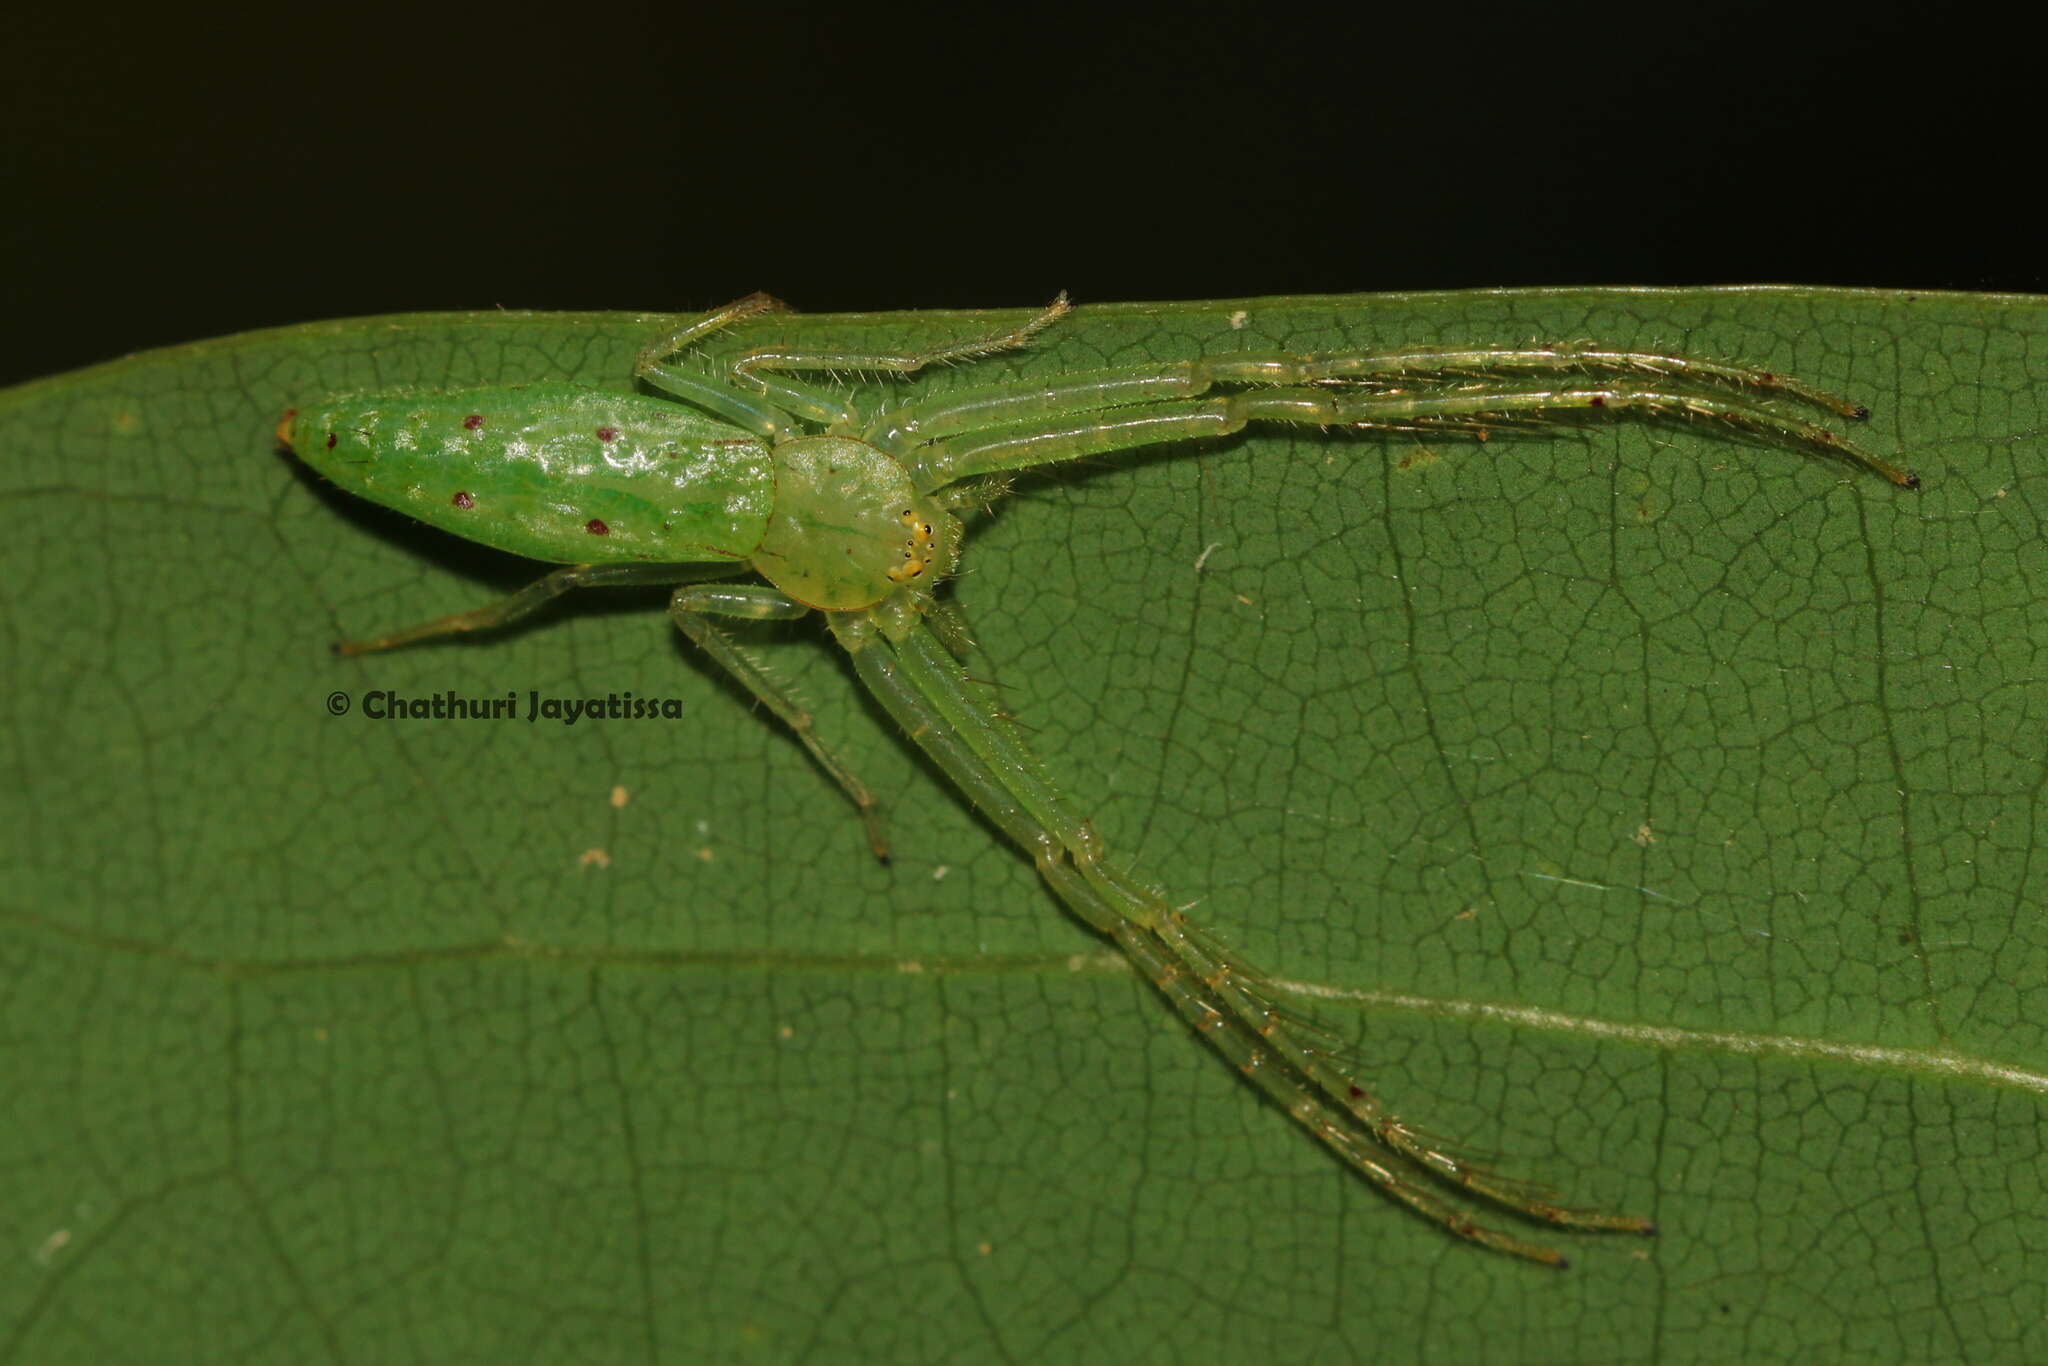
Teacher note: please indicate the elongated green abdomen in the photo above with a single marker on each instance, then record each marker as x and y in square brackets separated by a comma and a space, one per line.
[549, 471]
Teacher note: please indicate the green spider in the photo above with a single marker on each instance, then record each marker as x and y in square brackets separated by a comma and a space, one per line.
[854, 514]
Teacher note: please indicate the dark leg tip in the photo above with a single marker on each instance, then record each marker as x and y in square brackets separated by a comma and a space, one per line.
[1649, 1230]
[884, 860]
[1912, 481]
[1862, 412]
[1563, 1264]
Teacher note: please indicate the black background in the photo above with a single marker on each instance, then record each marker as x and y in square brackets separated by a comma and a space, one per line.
[168, 184]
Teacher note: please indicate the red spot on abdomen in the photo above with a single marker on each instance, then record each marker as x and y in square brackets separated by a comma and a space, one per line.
[597, 528]
[462, 500]
[607, 434]
[473, 422]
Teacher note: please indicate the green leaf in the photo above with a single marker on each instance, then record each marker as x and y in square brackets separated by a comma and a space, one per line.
[1655, 811]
